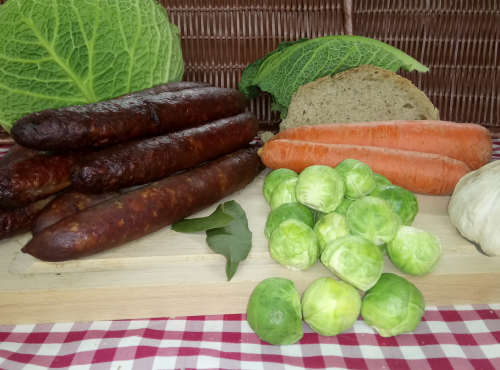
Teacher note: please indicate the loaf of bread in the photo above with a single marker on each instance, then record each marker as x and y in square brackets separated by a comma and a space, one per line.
[365, 93]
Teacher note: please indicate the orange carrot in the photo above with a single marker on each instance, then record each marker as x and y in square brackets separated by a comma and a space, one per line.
[469, 143]
[414, 171]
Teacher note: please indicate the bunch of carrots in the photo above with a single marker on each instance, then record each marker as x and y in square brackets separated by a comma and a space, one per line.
[422, 156]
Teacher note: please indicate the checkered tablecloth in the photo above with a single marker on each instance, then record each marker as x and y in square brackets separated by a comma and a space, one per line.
[458, 337]
[455, 337]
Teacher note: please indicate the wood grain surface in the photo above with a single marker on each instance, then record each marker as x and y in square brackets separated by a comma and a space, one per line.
[168, 274]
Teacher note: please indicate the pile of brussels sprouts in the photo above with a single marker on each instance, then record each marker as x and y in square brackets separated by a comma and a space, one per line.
[349, 218]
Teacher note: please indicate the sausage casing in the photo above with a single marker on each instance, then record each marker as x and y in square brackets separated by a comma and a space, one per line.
[146, 160]
[34, 178]
[143, 211]
[65, 205]
[119, 120]
[17, 221]
[15, 154]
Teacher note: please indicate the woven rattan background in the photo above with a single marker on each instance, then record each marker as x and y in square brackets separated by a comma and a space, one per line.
[458, 39]
[221, 37]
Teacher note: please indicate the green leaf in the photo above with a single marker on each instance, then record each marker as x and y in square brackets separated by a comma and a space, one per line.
[246, 85]
[283, 72]
[58, 53]
[232, 241]
[216, 220]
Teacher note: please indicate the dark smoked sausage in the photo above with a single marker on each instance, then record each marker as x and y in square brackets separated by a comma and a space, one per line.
[16, 153]
[16, 221]
[146, 160]
[143, 211]
[168, 87]
[65, 205]
[34, 178]
[120, 120]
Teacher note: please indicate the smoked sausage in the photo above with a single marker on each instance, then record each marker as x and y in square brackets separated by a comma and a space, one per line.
[119, 120]
[31, 179]
[16, 221]
[143, 211]
[143, 161]
[16, 153]
[65, 205]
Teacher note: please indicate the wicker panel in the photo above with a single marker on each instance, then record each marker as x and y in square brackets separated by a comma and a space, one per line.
[458, 40]
[221, 37]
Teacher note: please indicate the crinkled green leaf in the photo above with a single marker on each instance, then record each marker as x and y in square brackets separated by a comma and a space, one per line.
[246, 85]
[281, 73]
[232, 241]
[193, 225]
[56, 53]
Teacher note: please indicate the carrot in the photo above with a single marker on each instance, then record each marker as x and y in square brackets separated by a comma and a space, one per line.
[466, 142]
[418, 172]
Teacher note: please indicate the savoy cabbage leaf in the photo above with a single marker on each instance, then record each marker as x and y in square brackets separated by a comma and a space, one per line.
[281, 73]
[56, 53]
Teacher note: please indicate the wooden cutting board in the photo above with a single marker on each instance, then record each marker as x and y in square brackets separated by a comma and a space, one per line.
[168, 274]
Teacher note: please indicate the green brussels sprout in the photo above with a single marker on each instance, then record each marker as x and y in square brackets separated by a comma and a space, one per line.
[284, 193]
[274, 178]
[320, 188]
[393, 306]
[330, 227]
[294, 245]
[354, 259]
[383, 249]
[274, 311]
[374, 219]
[403, 201]
[330, 307]
[381, 180]
[343, 206]
[415, 251]
[286, 211]
[318, 215]
[358, 178]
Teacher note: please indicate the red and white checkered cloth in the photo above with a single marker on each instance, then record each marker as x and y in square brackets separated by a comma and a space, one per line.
[458, 337]
[455, 337]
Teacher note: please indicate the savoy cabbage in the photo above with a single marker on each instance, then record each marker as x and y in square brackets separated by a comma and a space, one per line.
[56, 53]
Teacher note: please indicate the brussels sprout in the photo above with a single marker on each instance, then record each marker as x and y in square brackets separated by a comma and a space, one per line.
[318, 215]
[284, 193]
[374, 219]
[342, 208]
[274, 178]
[320, 188]
[383, 248]
[415, 251]
[358, 178]
[274, 311]
[393, 306]
[403, 201]
[330, 307]
[286, 211]
[381, 180]
[330, 227]
[294, 245]
[354, 259]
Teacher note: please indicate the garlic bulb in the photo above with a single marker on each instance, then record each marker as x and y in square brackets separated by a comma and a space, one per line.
[474, 207]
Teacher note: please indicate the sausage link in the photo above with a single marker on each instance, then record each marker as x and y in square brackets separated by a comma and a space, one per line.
[143, 211]
[65, 205]
[168, 87]
[32, 179]
[146, 160]
[16, 221]
[15, 154]
[120, 120]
